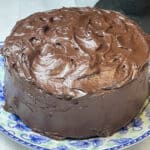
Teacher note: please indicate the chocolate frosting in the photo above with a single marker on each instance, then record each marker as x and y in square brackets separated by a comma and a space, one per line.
[72, 52]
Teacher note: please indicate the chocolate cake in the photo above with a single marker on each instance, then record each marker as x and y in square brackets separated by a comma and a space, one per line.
[76, 72]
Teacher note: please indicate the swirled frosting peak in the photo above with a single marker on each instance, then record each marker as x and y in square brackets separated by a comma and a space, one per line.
[71, 52]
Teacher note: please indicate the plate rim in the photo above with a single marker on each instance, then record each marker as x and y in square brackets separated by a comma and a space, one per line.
[20, 141]
[34, 146]
[30, 145]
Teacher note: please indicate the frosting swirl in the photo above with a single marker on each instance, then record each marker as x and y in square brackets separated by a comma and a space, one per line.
[71, 52]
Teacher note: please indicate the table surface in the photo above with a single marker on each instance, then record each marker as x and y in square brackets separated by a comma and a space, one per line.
[18, 9]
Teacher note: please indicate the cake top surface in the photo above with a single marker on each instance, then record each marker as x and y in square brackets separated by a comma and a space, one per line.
[73, 52]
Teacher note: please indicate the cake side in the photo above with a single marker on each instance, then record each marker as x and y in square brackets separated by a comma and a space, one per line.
[84, 117]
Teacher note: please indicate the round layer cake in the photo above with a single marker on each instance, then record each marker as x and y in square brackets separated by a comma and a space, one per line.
[76, 72]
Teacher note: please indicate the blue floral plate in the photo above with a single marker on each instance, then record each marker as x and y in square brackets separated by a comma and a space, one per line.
[13, 127]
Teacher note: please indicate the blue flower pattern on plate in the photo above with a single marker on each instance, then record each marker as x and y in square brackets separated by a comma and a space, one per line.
[123, 130]
[14, 117]
[19, 125]
[62, 147]
[2, 98]
[137, 124]
[96, 142]
[38, 139]
[86, 143]
[121, 140]
[80, 143]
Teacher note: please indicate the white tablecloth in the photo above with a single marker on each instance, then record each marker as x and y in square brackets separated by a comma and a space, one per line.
[13, 10]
